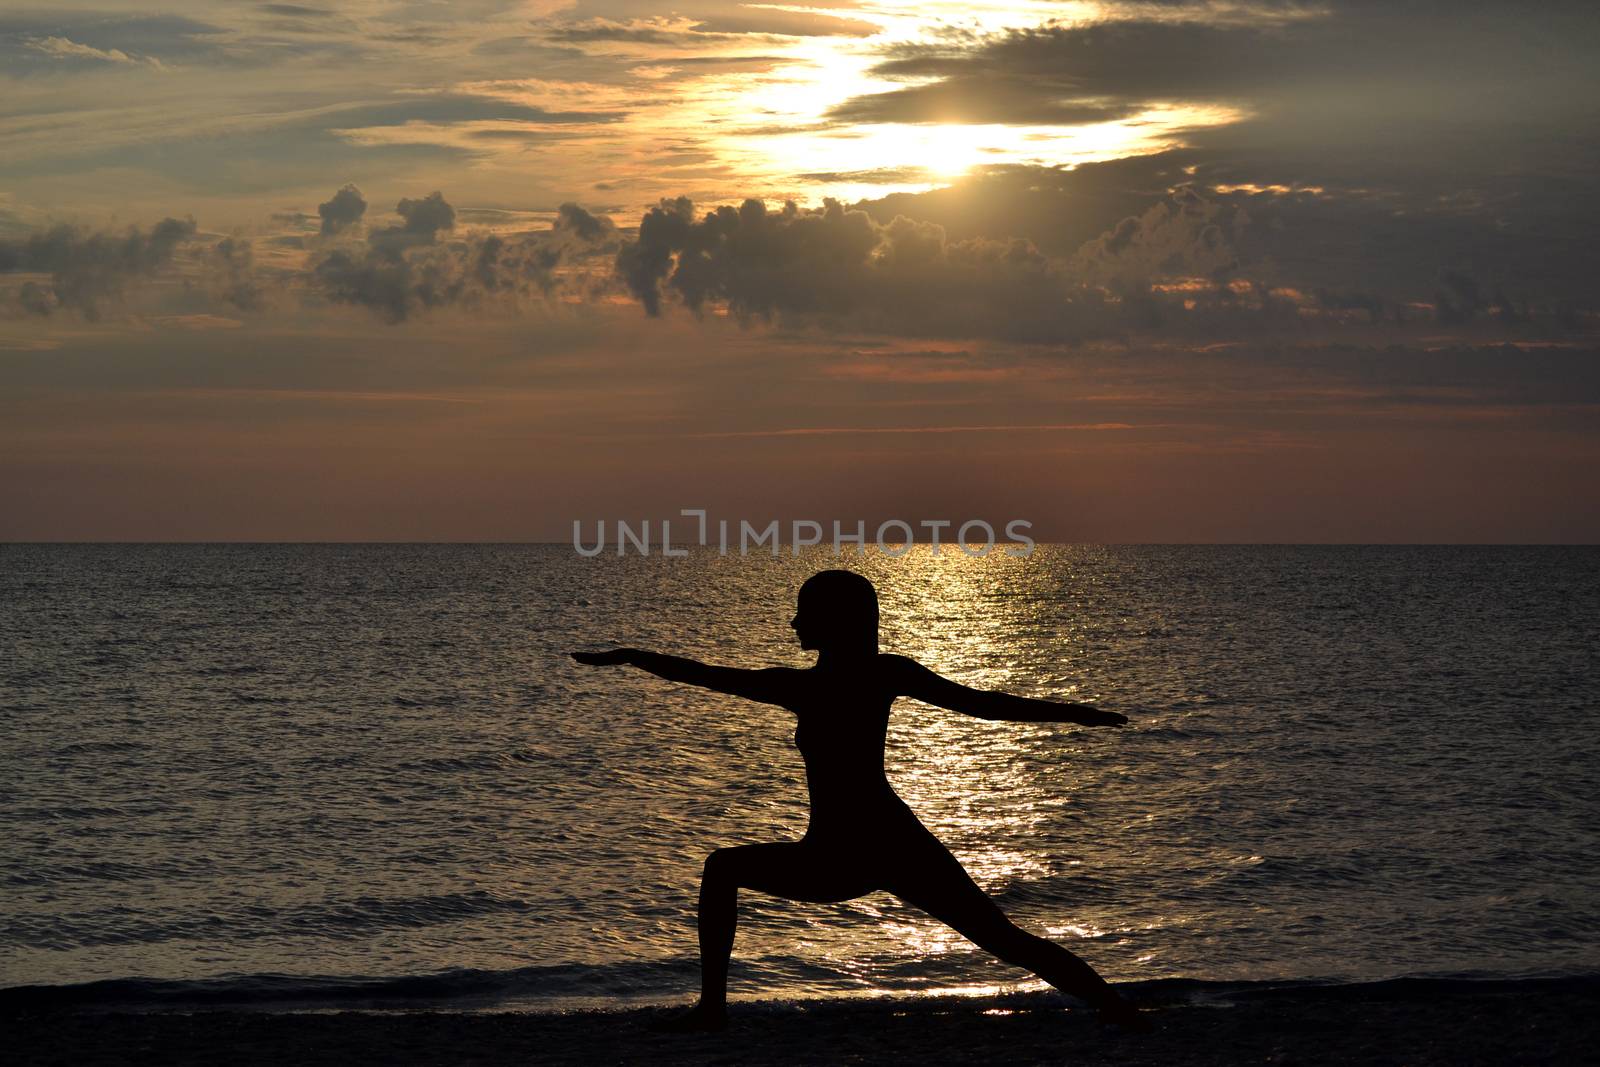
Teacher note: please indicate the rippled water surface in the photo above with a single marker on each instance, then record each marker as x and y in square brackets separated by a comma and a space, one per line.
[264, 765]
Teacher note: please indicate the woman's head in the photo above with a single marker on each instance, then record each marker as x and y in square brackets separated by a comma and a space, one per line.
[838, 612]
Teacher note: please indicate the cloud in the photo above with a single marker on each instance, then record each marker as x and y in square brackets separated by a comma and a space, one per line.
[406, 269]
[342, 211]
[872, 176]
[383, 277]
[776, 21]
[400, 286]
[36, 299]
[606, 30]
[234, 276]
[421, 221]
[1182, 261]
[1375, 251]
[1056, 208]
[838, 265]
[672, 32]
[1185, 235]
[579, 225]
[1144, 247]
[1123, 59]
[427, 215]
[64, 48]
[296, 11]
[97, 37]
[445, 108]
[1186, 53]
[1436, 107]
[392, 287]
[87, 269]
[422, 261]
[980, 100]
[645, 263]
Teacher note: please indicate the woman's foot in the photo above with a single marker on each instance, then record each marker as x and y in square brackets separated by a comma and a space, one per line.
[700, 1019]
[1119, 1012]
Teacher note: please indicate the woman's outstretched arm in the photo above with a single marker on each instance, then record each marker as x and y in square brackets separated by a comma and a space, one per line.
[918, 682]
[770, 685]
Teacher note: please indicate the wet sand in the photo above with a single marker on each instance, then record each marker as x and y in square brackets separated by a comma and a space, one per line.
[1402, 1022]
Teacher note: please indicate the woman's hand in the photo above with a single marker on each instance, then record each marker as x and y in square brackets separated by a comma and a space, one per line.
[1096, 717]
[616, 657]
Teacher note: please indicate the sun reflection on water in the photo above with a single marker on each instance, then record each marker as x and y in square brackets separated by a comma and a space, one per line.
[974, 783]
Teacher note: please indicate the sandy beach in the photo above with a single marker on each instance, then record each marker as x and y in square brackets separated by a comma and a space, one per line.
[1402, 1022]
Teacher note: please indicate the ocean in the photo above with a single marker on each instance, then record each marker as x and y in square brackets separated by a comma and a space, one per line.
[370, 774]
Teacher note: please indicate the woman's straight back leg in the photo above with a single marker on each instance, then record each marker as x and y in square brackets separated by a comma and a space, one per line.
[931, 879]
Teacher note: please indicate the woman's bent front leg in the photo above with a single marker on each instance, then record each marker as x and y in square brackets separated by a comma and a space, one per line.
[791, 869]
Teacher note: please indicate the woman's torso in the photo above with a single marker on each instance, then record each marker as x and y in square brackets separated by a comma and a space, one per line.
[843, 724]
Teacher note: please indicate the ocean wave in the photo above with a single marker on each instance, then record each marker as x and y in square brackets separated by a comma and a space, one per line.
[100, 871]
[474, 762]
[80, 748]
[561, 987]
[337, 920]
[463, 987]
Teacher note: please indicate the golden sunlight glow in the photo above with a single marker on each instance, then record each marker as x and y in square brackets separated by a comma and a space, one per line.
[939, 153]
[777, 123]
[769, 125]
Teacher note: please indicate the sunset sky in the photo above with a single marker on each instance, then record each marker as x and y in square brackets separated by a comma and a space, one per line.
[471, 271]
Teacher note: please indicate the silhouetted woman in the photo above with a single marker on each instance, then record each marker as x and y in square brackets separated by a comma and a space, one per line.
[862, 837]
